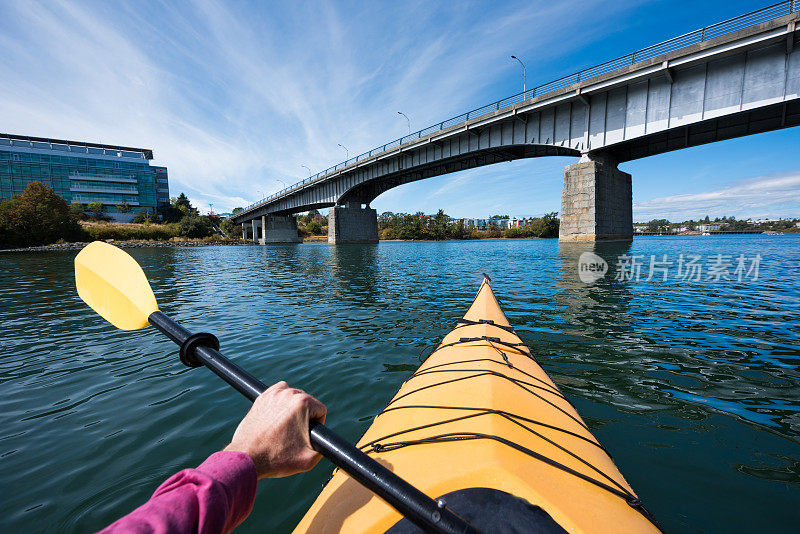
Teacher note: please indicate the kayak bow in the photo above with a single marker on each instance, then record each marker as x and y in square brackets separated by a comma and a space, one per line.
[482, 427]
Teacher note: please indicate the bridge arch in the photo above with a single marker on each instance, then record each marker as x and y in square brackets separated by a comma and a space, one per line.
[367, 191]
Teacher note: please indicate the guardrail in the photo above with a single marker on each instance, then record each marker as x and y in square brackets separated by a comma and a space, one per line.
[703, 34]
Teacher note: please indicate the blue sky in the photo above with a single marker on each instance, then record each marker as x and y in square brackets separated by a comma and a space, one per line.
[235, 97]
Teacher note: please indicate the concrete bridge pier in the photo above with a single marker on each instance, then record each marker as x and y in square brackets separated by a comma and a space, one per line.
[596, 201]
[254, 234]
[352, 224]
[276, 229]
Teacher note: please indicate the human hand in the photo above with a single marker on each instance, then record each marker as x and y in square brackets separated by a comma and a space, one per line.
[274, 433]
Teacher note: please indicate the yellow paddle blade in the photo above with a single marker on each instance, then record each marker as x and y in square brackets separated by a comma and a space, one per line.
[113, 285]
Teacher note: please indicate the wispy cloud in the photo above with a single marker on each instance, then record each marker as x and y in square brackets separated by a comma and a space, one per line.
[764, 196]
[234, 97]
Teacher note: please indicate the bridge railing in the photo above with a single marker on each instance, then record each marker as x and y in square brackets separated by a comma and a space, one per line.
[703, 34]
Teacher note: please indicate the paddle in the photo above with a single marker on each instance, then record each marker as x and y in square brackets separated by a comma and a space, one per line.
[113, 285]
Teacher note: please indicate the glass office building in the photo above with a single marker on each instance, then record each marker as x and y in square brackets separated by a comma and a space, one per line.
[162, 185]
[84, 172]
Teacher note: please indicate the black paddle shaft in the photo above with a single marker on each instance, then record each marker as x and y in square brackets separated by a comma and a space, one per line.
[426, 513]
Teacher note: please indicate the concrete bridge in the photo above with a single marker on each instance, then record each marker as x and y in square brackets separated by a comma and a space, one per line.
[735, 78]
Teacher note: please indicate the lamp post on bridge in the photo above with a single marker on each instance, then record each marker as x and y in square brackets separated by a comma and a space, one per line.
[306, 168]
[407, 120]
[347, 152]
[523, 72]
[285, 185]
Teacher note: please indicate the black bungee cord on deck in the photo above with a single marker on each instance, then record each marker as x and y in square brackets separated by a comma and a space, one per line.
[380, 444]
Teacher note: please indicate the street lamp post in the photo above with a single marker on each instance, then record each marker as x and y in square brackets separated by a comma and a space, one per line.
[523, 72]
[285, 185]
[306, 168]
[260, 192]
[407, 120]
[347, 152]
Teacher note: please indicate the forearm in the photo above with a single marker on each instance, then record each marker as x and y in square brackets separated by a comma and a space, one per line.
[215, 497]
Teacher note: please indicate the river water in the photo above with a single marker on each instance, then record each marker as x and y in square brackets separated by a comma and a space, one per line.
[692, 384]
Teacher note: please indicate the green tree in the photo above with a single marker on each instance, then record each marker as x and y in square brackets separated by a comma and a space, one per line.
[237, 210]
[515, 232]
[657, 225]
[143, 217]
[181, 201]
[77, 210]
[229, 228]
[36, 217]
[438, 226]
[95, 211]
[183, 204]
[545, 226]
[194, 227]
[314, 228]
[123, 207]
[169, 213]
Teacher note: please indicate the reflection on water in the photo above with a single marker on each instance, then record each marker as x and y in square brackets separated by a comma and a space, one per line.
[583, 305]
[691, 385]
[354, 272]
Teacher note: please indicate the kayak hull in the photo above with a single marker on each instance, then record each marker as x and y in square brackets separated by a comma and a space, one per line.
[480, 412]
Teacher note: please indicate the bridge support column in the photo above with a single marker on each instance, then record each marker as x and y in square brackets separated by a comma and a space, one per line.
[244, 231]
[254, 224]
[279, 229]
[596, 202]
[352, 224]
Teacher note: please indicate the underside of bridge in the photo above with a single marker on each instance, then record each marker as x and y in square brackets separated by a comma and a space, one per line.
[743, 81]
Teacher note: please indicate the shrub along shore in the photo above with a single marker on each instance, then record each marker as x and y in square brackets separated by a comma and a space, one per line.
[39, 219]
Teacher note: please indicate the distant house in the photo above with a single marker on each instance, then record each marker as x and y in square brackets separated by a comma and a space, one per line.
[639, 228]
[518, 223]
[708, 227]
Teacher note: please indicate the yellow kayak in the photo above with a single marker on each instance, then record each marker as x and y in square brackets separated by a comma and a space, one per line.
[481, 426]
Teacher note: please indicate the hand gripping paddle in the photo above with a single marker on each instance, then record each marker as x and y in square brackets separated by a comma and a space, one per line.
[114, 285]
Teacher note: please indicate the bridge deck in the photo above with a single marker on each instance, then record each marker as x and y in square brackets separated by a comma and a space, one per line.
[661, 60]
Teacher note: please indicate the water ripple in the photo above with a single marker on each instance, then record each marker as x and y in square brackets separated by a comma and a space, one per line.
[692, 386]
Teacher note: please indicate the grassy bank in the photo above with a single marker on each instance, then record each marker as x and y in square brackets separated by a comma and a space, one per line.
[129, 231]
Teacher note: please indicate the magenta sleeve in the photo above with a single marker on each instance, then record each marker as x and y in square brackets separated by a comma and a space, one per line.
[215, 497]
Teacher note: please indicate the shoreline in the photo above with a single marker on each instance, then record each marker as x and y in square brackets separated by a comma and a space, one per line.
[127, 244]
[55, 247]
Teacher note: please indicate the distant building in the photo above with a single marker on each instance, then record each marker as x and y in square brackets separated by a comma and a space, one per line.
[517, 223]
[84, 172]
[162, 185]
[639, 228]
[708, 227]
[501, 224]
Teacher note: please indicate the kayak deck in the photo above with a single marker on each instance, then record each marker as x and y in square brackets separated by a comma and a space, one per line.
[481, 413]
